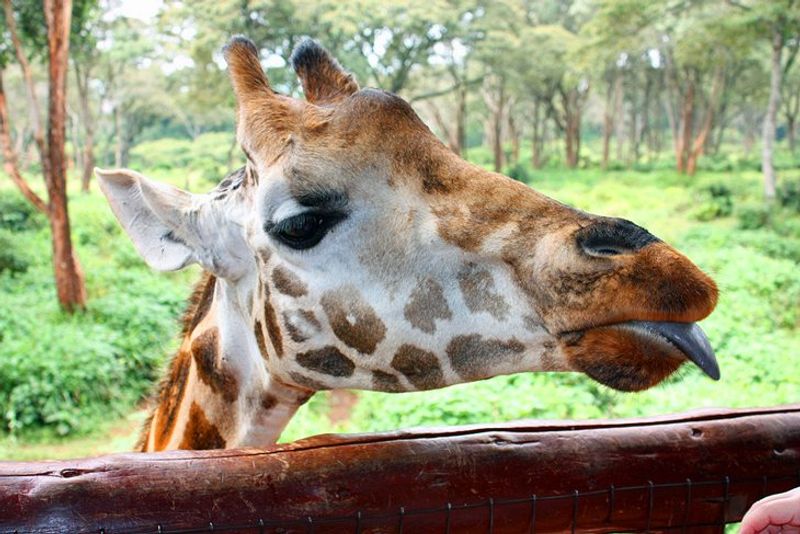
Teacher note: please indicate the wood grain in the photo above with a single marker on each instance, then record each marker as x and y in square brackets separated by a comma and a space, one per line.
[486, 474]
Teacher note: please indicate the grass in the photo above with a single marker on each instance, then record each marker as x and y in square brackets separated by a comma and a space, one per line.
[130, 326]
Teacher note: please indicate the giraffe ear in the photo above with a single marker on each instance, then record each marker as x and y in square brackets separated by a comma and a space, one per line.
[323, 79]
[169, 227]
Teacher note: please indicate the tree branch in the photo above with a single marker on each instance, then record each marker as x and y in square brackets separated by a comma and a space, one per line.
[33, 101]
[10, 163]
[442, 92]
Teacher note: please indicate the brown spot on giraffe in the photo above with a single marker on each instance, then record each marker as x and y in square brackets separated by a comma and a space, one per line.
[328, 361]
[532, 325]
[426, 304]
[352, 319]
[307, 382]
[383, 381]
[288, 283]
[273, 330]
[264, 255]
[199, 433]
[260, 341]
[300, 324]
[420, 367]
[170, 398]
[480, 294]
[548, 356]
[210, 366]
[472, 355]
[268, 401]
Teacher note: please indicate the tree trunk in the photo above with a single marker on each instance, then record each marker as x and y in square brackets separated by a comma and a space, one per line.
[119, 135]
[461, 119]
[572, 127]
[448, 134]
[68, 274]
[705, 127]
[644, 134]
[608, 123]
[791, 110]
[537, 144]
[768, 133]
[720, 135]
[750, 131]
[633, 151]
[82, 79]
[33, 101]
[74, 127]
[10, 155]
[514, 133]
[619, 115]
[497, 129]
[685, 130]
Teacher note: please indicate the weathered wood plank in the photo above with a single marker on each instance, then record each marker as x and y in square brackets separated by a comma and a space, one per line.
[330, 477]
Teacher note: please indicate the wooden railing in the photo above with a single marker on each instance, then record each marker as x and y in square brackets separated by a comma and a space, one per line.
[691, 472]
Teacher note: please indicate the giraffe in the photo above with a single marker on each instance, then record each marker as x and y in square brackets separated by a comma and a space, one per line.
[355, 250]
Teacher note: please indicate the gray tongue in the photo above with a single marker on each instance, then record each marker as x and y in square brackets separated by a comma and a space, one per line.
[690, 339]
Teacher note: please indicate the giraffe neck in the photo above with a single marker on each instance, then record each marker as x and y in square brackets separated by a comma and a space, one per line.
[219, 392]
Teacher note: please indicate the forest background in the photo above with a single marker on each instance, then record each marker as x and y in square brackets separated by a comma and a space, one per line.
[678, 114]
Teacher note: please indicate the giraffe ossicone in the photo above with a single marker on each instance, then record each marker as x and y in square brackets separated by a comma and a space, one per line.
[354, 250]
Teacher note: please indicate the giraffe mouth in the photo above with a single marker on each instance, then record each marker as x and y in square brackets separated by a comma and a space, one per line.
[688, 338]
[636, 355]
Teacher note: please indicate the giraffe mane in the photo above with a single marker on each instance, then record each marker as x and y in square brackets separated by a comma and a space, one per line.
[199, 303]
[197, 307]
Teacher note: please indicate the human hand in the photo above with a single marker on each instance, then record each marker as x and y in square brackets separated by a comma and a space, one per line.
[776, 514]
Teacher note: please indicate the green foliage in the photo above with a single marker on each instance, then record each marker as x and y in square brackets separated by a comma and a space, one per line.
[789, 195]
[718, 202]
[519, 172]
[64, 373]
[753, 215]
[13, 258]
[17, 214]
[205, 158]
[17, 219]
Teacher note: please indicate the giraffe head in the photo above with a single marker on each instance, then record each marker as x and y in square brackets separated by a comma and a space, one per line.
[367, 255]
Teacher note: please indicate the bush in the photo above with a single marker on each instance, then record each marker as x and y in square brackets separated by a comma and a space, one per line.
[17, 214]
[13, 258]
[718, 202]
[79, 368]
[519, 172]
[61, 373]
[753, 216]
[789, 195]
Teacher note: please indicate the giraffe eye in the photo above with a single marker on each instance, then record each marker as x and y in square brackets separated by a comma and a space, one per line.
[305, 230]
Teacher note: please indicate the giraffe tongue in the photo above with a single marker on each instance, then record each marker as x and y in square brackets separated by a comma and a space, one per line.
[690, 339]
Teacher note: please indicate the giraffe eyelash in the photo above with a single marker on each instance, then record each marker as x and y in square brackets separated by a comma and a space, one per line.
[304, 230]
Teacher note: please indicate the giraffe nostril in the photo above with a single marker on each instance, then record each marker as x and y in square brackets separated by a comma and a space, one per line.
[612, 237]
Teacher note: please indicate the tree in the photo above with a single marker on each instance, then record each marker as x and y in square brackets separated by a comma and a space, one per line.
[57, 18]
[791, 106]
[86, 32]
[777, 21]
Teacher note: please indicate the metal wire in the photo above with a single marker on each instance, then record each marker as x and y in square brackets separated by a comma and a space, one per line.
[535, 502]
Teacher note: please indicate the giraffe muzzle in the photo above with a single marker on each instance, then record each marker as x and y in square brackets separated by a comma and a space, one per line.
[688, 338]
